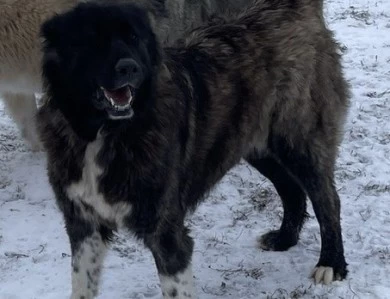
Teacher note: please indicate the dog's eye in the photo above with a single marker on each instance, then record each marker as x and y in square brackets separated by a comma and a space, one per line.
[130, 38]
[128, 34]
[133, 37]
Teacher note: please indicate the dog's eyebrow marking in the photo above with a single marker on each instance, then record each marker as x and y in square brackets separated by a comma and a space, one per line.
[180, 285]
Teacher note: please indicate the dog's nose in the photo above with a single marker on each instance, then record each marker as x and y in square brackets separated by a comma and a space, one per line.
[127, 67]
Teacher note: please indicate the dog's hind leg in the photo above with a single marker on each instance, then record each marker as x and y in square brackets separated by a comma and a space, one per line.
[172, 250]
[23, 108]
[313, 166]
[88, 245]
[293, 199]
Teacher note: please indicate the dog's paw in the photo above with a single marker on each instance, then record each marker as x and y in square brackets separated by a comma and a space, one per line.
[325, 275]
[276, 241]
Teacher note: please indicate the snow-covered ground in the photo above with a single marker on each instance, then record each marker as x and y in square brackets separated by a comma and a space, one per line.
[34, 249]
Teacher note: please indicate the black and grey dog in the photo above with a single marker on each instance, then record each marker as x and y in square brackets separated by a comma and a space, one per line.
[136, 134]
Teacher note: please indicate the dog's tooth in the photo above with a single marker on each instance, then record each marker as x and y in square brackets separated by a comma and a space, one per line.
[122, 108]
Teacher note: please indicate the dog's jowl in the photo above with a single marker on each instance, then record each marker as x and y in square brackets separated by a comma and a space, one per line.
[137, 134]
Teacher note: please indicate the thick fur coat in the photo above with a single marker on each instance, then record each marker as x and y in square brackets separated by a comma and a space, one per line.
[137, 134]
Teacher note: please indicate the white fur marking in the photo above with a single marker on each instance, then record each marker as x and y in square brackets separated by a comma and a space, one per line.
[86, 267]
[179, 286]
[87, 189]
[323, 274]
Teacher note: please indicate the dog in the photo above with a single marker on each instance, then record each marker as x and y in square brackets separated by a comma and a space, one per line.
[20, 55]
[136, 134]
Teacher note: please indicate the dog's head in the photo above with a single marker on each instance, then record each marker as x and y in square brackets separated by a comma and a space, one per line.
[99, 62]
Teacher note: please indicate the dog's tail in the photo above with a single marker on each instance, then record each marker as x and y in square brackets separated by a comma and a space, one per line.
[318, 5]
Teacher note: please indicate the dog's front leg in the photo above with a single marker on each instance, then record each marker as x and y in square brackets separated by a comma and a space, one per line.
[88, 242]
[86, 266]
[172, 249]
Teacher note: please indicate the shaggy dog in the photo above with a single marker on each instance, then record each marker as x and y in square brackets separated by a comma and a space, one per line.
[136, 135]
[20, 46]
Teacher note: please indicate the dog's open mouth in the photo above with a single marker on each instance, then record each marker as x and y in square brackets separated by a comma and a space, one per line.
[120, 101]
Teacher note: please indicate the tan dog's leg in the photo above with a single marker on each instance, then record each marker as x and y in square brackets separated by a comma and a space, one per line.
[22, 108]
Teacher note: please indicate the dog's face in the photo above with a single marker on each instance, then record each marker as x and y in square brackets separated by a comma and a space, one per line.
[102, 57]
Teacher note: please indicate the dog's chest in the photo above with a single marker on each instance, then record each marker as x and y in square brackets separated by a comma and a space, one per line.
[86, 192]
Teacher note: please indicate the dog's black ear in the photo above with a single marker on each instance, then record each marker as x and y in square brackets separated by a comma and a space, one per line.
[52, 34]
[51, 61]
[51, 30]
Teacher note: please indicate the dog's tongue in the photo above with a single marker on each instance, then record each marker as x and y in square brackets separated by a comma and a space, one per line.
[120, 96]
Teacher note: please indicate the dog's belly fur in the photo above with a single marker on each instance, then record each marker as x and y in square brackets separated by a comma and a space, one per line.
[86, 195]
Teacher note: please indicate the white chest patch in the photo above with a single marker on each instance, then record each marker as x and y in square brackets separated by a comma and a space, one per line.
[87, 190]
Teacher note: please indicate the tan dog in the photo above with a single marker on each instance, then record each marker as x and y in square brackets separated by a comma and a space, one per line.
[20, 75]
